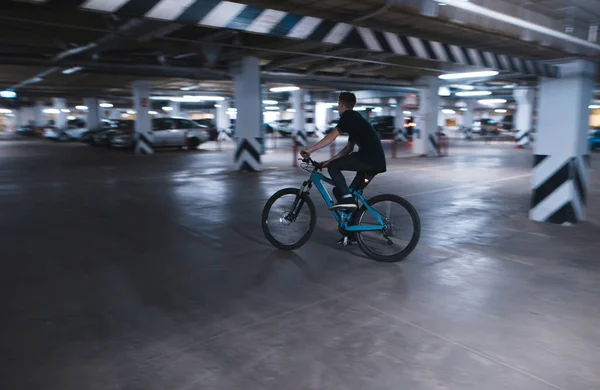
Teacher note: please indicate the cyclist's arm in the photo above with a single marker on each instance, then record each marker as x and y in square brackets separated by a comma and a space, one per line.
[328, 139]
[347, 149]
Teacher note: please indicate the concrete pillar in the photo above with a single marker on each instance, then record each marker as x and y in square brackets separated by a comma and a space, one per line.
[468, 115]
[524, 115]
[61, 117]
[93, 113]
[399, 117]
[143, 120]
[248, 100]
[429, 112]
[222, 119]
[299, 121]
[18, 117]
[321, 116]
[39, 116]
[176, 109]
[561, 159]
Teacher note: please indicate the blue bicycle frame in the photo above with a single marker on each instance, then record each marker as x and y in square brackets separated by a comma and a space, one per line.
[342, 217]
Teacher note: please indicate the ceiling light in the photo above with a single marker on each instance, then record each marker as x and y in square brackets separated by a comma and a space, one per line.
[66, 110]
[72, 70]
[291, 110]
[468, 75]
[491, 101]
[131, 112]
[464, 109]
[5, 111]
[167, 108]
[71, 118]
[509, 86]
[500, 110]
[217, 105]
[594, 106]
[444, 91]
[189, 98]
[270, 102]
[393, 105]
[81, 107]
[407, 112]
[271, 108]
[473, 93]
[448, 111]
[464, 87]
[106, 105]
[189, 88]
[51, 111]
[152, 112]
[8, 94]
[284, 89]
[377, 109]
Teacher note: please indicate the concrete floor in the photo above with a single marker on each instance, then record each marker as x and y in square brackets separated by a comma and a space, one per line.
[124, 272]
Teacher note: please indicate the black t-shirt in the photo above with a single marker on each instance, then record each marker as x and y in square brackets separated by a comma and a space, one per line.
[364, 135]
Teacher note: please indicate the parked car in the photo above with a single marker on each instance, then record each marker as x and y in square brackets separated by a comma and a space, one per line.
[167, 132]
[384, 125]
[212, 127]
[486, 126]
[282, 126]
[594, 139]
[103, 136]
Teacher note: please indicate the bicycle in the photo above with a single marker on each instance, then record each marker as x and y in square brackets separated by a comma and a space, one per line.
[349, 223]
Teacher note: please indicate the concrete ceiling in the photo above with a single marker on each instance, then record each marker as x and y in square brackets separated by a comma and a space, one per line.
[173, 56]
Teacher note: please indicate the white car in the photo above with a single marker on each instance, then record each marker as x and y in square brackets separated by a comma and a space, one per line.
[168, 132]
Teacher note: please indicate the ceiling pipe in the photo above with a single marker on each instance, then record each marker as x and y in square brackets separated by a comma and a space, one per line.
[93, 47]
[477, 9]
[377, 12]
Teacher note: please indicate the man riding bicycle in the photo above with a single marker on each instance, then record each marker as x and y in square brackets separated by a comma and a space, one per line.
[369, 158]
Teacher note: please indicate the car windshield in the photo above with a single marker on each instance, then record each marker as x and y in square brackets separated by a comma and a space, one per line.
[127, 125]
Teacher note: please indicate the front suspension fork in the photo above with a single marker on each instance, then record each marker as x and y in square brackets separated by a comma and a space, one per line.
[299, 201]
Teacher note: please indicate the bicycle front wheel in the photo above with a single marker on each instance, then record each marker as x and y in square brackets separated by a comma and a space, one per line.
[401, 233]
[288, 219]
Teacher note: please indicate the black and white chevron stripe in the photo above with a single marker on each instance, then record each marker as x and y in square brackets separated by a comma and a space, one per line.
[434, 145]
[522, 138]
[300, 137]
[247, 154]
[236, 16]
[143, 144]
[559, 189]
[399, 135]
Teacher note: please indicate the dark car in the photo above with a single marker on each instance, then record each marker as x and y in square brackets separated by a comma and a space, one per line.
[212, 127]
[104, 136]
[384, 125]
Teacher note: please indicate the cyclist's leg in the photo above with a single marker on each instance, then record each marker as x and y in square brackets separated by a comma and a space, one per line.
[346, 163]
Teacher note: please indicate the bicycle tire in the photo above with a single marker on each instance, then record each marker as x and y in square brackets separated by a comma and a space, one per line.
[265, 214]
[414, 239]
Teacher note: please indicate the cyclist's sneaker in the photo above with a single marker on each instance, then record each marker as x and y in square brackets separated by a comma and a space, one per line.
[347, 202]
[350, 241]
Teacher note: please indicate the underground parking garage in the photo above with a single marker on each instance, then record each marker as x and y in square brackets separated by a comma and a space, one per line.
[145, 150]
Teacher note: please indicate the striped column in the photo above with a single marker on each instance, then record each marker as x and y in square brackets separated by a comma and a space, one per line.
[560, 163]
[299, 120]
[143, 122]
[524, 116]
[423, 144]
[249, 122]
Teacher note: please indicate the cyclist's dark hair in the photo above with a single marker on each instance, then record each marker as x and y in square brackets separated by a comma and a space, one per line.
[348, 99]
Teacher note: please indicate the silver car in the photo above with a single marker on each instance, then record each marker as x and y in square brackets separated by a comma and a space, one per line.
[168, 132]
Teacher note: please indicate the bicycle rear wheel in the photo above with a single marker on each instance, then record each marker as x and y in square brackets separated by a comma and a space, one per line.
[400, 235]
[288, 219]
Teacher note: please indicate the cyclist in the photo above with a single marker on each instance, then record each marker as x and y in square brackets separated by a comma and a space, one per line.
[369, 158]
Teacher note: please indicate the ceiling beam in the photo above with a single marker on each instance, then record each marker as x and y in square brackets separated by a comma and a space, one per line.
[295, 60]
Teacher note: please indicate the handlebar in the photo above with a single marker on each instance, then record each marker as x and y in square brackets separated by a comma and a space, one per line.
[318, 165]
